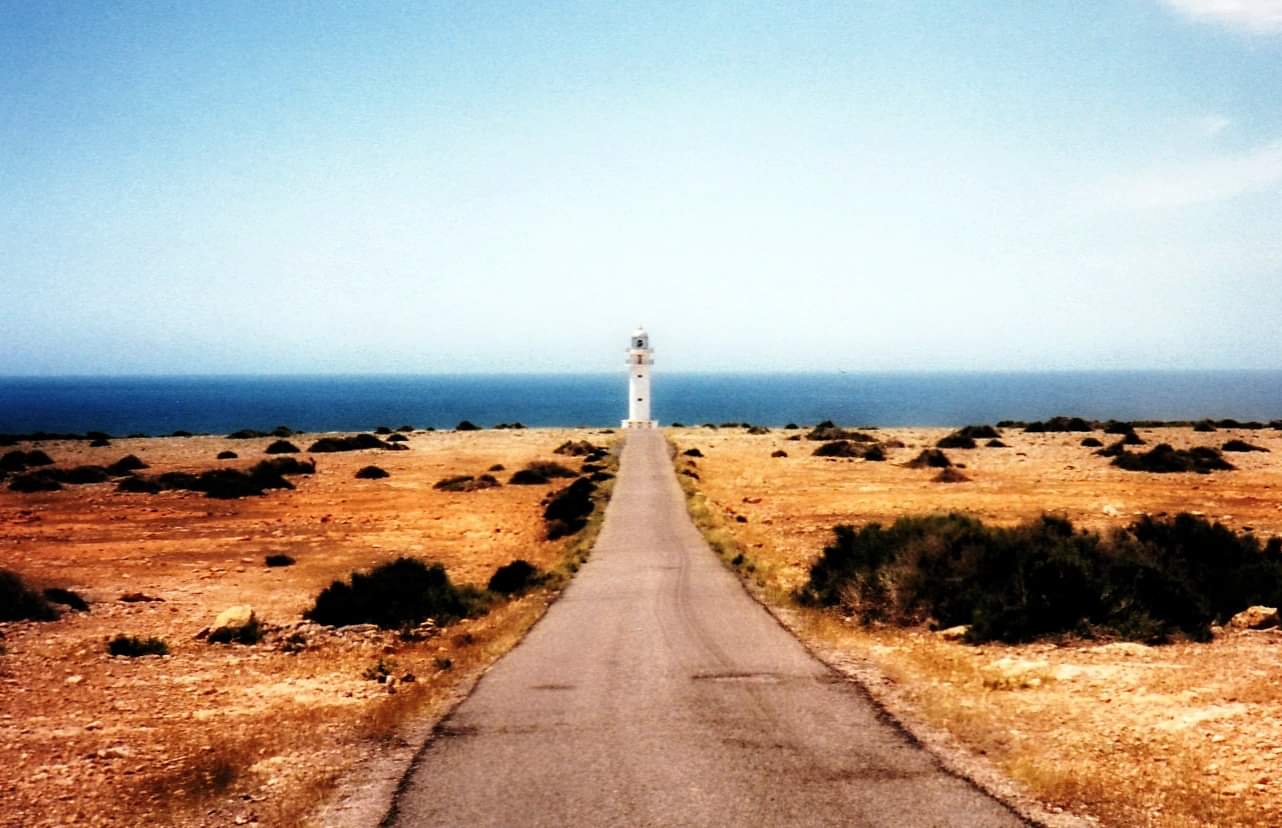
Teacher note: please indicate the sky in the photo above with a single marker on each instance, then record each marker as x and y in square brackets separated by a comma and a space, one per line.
[346, 187]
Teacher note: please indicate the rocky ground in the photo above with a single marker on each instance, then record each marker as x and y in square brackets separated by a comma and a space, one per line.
[215, 734]
[1185, 734]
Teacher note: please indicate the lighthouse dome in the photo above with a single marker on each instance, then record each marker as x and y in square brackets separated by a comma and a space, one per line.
[640, 339]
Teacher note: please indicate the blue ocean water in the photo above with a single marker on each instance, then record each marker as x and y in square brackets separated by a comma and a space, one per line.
[160, 405]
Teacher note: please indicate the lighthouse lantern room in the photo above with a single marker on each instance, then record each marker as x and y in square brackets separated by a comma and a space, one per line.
[640, 358]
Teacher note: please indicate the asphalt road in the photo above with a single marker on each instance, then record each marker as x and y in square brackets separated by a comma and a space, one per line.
[657, 692]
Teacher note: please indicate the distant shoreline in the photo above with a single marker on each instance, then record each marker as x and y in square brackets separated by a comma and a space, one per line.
[223, 404]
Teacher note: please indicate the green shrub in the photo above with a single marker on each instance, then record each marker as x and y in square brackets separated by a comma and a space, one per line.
[392, 595]
[67, 598]
[514, 578]
[567, 511]
[1241, 445]
[1149, 581]
[356, 442]
[541, 471]
[826, 432]
[371, 473]
[18, 602]
[1058, 425]
[281, 447]
[575, 448]
[1163, 459]
[250, 633]
[929, 459]
[838, 448]
[278, 559]
[468, 483]
[956, 440]
[132, 647]
[979, 432]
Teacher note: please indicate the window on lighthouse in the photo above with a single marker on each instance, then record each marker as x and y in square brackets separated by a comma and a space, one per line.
[640, 343]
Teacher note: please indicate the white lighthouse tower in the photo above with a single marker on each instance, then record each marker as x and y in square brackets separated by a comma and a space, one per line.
[640, 358]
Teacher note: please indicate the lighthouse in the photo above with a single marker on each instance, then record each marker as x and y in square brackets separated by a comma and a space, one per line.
[640, 358]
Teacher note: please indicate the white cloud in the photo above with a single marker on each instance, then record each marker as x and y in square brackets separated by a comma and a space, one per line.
[1257, 16]
[1196, 182]
[1210, 126]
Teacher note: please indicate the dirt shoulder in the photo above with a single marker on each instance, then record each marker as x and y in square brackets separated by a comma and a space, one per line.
[1185, 734]
[219, 734]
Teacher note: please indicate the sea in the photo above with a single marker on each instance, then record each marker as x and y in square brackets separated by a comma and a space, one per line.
[220, 404]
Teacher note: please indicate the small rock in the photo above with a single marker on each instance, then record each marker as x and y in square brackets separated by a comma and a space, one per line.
[73, 680]
[1255, 618]
[956, 633]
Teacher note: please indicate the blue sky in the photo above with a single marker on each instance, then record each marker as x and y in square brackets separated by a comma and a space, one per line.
[349, 187]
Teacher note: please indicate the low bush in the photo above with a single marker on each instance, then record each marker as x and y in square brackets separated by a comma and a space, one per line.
[34, 482]
[281, 447]
[181, 433]
[567, 510]
[251, 633]
[16, 461]
[404, 592]
[979, 432]
[929, 459]
[467, 483]
[355, 442]
[467, 425]
[19, 602]
[1116, 427]
[758, 430]
[497, 467]
[398, 438]
[1149, 581]
[1163, 459]
[371, 473]
[126, 465]
[514, 578]
[575, 448]
[1240, 445]
[1058, 425]
[875, 454]
[99, 443]
[956, 440]
[692, 452]
[518, 425]
[838, 448]
[541, 471]
[995, 443]
[131, 647]
[1132, 439]
[778, 453]
[1204, 426]
[1092, 442]
[383, 430]
[950, 475]
[826, 432]
[278, 559]
[246, 434]
[227, 455]
[67, 598]
[224, 484]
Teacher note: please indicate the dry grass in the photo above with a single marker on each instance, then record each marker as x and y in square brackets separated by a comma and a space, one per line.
[211, 733]
[1182, 735]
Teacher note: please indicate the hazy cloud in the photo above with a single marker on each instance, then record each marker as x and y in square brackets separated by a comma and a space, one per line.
[1210, 126]
[1195, 182]
[1258, 16]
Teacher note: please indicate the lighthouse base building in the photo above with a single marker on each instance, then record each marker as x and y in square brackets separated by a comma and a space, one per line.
[640, 358]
